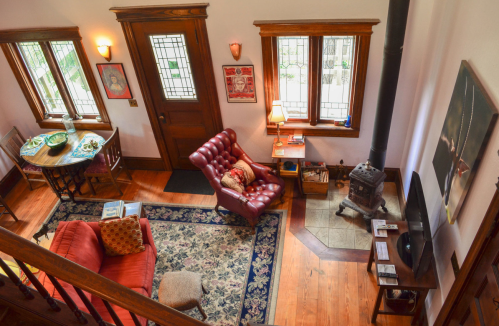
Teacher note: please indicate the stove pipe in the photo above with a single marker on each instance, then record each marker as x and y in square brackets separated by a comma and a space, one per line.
[394, 42]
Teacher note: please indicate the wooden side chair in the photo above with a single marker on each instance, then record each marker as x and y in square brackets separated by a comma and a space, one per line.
[5, 209]
[11, 145]
[107, 164]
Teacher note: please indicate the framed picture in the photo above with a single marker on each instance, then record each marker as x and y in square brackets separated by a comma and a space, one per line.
[114, 79]
[467, 128]
[240, 84]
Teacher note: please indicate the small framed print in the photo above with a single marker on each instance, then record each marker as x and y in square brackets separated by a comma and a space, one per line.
[114, 79]
[239, 84]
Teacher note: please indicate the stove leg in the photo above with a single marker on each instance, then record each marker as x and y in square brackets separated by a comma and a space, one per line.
[340, 210]
[383, 206]
[367, 219]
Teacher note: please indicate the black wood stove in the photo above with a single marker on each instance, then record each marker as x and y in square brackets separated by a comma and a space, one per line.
[365, 193]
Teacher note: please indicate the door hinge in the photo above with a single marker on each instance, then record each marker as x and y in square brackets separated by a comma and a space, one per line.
[196, 33]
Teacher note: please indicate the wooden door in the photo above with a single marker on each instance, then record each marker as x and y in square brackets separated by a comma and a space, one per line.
[176, 62]
[478, 301]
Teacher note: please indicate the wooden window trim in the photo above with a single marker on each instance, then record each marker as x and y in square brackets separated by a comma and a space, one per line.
[361, 29]
[8, 40]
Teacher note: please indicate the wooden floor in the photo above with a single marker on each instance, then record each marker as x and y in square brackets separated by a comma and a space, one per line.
[311, 291]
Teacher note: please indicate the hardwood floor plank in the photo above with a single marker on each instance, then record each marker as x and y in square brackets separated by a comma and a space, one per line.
[311, 291]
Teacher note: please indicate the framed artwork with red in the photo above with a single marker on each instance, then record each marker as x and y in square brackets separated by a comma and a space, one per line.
[114, 79]
[240, 84]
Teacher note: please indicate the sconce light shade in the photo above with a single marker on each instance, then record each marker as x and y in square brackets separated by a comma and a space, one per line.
[105, 51]
[235, 49]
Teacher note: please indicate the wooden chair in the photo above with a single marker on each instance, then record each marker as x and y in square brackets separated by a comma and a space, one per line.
[11, 144]
[107, 164]
[6, 209]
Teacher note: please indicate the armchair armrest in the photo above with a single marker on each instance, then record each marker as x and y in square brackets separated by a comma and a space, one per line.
[147, 234]
[234, 194]
[266, 174]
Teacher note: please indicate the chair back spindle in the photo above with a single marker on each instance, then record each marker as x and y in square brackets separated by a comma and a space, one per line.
[113, 314]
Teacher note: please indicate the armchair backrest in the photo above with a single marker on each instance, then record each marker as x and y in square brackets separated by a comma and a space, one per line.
[217, 156]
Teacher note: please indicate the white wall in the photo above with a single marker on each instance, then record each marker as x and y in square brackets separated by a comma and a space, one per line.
[459, 30]
[228, 21]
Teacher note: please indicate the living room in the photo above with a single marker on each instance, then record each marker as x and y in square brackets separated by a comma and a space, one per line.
[305, 285]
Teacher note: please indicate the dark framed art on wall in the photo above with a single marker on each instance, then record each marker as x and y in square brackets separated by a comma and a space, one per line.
[239, 84]
[114, 80]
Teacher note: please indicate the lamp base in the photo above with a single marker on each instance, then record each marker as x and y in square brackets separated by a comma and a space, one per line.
[279, 143]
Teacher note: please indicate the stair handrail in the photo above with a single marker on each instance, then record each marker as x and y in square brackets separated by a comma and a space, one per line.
[87, 280]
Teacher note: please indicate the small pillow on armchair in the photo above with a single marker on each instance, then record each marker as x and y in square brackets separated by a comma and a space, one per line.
[239, 176]
[122, 236]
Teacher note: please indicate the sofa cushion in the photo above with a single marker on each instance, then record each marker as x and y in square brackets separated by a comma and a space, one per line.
[76, 241]
[133, 271]
[123, 314]
[122, 236]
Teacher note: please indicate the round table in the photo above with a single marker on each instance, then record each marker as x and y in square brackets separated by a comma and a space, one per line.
[61, 170]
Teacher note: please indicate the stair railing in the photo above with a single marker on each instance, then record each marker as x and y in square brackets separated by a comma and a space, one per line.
[59, 268]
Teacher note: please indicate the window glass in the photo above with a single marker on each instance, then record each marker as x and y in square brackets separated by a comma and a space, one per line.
[337, 60]
[73, 75]
[293, 75]
[173, 65]
[42, 77]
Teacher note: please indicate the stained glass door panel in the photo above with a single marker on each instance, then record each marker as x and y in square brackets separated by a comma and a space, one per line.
[174, 68]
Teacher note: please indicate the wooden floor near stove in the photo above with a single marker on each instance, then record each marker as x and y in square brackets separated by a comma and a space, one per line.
[311, 291]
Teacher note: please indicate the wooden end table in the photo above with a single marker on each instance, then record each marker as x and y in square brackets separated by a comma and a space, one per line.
[406, 280]
[296, 152]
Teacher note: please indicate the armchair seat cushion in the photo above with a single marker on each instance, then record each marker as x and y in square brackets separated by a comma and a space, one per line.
[262, 194]
[98, 165]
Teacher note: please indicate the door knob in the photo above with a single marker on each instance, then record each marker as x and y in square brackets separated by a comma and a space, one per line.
[162, 118]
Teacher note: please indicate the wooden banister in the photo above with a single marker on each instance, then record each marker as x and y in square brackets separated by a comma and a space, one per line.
[87, 280]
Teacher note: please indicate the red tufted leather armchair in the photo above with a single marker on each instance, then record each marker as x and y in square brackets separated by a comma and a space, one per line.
[217, 156]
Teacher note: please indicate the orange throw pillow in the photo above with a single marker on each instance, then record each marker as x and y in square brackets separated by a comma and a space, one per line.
[122, 236]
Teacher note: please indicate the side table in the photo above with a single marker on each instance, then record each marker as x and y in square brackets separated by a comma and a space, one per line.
[406, 280]
[296, 152]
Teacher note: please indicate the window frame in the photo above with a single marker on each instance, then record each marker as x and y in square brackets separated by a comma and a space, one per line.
[8, 42]
[270, 30]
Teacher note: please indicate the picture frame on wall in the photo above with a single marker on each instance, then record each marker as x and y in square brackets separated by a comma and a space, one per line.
[467, 128]
[114, 80]
[240, 84]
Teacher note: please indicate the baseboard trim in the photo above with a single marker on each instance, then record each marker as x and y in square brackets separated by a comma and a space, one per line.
[144, 163]
[9, 181]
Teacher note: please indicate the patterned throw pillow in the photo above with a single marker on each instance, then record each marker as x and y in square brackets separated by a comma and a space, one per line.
[239, 176]
[122, 236]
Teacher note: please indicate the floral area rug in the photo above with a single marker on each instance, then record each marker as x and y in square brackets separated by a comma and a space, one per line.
[239, 270]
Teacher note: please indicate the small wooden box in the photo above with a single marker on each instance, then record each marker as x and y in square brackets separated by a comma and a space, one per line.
[315, 187]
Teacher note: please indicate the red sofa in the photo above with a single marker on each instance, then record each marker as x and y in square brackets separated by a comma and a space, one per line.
[81, 243]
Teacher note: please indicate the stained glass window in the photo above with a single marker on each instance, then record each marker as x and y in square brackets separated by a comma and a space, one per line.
[337, 59]
[42, 77]
[74, 77]
[293, 75]
[174, 67]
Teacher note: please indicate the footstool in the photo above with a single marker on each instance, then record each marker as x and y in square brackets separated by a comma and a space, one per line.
[182, 291]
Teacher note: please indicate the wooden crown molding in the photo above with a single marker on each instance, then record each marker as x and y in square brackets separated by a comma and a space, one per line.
[39, 34]
[316, 27]
[163, 12]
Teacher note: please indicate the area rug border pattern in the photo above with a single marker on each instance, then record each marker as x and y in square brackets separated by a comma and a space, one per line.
[275, 277]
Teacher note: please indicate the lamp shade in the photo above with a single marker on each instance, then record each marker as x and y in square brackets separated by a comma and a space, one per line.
[278, 114]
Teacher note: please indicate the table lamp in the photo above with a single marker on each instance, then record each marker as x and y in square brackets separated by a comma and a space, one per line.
[278, 115]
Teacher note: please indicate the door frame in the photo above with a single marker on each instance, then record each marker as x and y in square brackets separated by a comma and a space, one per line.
[488, 227]
[196, 12]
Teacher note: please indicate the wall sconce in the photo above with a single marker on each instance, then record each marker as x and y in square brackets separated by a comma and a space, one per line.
[235, 49]
[105, 51]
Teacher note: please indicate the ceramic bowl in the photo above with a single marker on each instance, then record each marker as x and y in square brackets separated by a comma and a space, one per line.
[57, 140]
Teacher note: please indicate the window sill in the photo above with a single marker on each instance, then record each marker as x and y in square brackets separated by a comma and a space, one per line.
[83, 124]
[321, 130]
